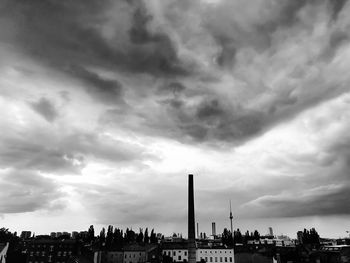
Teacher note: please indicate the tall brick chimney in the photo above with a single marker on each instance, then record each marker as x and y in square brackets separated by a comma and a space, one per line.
[191, 222]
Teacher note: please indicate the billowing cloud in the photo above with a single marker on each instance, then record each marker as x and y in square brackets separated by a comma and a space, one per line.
[132, 95]
[28, 191]
[45, 108]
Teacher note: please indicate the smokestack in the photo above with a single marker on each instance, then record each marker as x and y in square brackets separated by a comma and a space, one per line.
[191, 222]
[213, 229]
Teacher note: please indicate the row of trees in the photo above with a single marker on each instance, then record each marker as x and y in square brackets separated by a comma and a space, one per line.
[115, 237]
[310, 237]
[237, 238]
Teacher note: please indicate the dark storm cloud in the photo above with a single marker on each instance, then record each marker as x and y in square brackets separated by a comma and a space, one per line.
[40, 154]
[336, 7]
[64, 154]
[232, 34]
[337, 39]
[323, 202]
[46, 109]
[321, 190]
[27, 191]
[104, 90]
[175, 88]
[210, 120]
[70, 33]
[129, 206]
[153, 50]
[206, 120]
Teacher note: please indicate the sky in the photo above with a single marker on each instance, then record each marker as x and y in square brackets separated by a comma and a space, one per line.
[107, 106]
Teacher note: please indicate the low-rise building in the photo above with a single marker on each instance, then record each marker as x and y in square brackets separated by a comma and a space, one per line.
[215, 254]
[179, 253]
[48, 250]
[334, 254]
[140, 253]
[134, 253]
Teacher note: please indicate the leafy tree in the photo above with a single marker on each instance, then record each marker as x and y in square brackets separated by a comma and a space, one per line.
[237, 237]
[129, 236]
[227, 238]
[91, 234]
[102, 237]
[146, 238]
[118, 238]
[153, 237]
[5, 235]
[109, 237]
[139, 238]
[256, 235]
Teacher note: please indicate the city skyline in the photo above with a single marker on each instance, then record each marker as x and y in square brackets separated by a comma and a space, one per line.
[107, 106]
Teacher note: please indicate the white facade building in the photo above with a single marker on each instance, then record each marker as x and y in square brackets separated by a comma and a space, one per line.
[179, 253]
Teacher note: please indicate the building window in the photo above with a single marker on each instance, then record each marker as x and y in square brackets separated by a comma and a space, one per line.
[206, 259]
[174, 253]
[179, 258]
[220, 259]
[230, 259]
[211, 259]
[216, 259]
[225, 259]
[185, 253]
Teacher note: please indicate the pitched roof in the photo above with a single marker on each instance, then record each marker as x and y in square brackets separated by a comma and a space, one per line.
[138, 247]
[174, 245]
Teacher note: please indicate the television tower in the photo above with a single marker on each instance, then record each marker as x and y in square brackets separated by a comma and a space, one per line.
[231, 217]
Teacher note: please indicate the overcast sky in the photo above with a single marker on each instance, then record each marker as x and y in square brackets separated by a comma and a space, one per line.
[106, 106]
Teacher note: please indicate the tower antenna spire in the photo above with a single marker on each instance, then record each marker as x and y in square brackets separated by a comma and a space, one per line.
[231, 217]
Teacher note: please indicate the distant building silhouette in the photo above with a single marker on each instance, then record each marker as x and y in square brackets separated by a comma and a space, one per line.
[213, 229]
[26, 234]
[270, 231]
